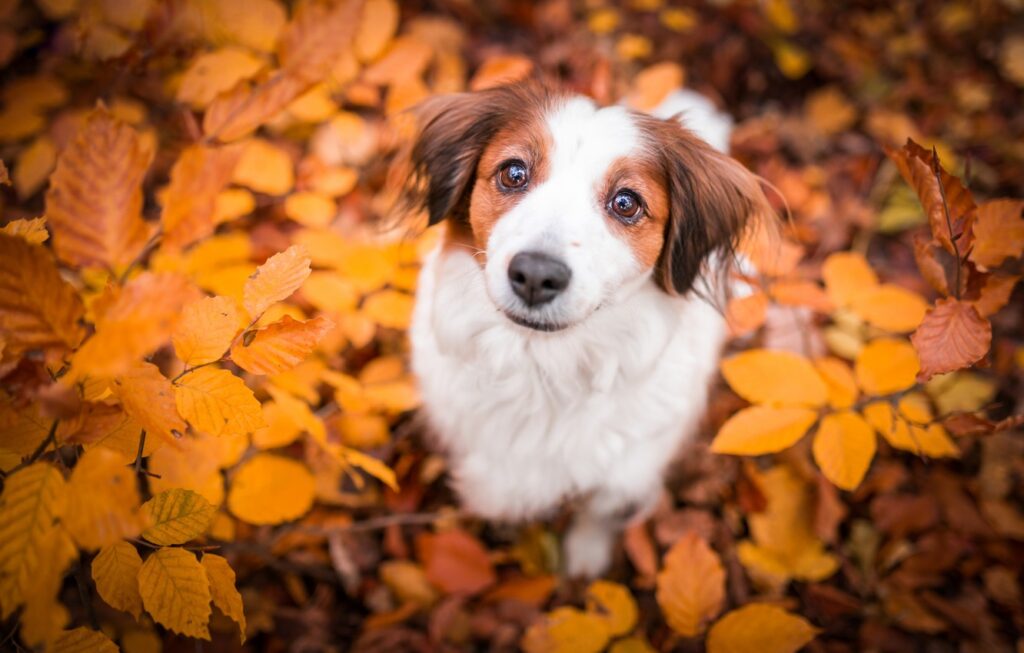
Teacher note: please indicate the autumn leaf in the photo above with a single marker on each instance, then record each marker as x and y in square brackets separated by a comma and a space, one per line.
[613, 602]
[83, 640]
[38, 308]
[276, 279]
[176, 516]
[115, 571]
[762, 429]
[206, 330]
[843, 448]
[847, 275]
[147, 396]
[217, 402]
[389, 308]
[44, 617]
[653, 84]
[910, 429]
[995, 293]
[891, 308]
[839, 381]
[777, 378]
[33, 500]
[952, 336]
[279, 346]
[691, 586]
[223, 591]
[759, 628]
[371, 466]
[94, 203]
[103, 501]
[886, 365]
[998, 232]
[200, 173]
[270, 489]
[264, 168]
[212, 73]
[567, 630]
[376, 28]
[175, 591]
[455, 562]
[31, 231]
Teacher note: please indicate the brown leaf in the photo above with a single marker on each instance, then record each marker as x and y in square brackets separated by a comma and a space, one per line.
[455, 562]
[691, 587]
[929, 265]
[964, 424]
[148, 397]
[951, 336]
[199, 174]
[94, 204]
[998, 232]
[915, 164]
[280, 346]
[995, 293]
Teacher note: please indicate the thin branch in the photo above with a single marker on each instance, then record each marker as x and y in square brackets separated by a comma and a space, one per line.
[936, 170]
[51, 438]
[189, 370]
[138, 455]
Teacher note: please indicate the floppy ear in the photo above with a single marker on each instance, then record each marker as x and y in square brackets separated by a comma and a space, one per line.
[454, 130]
[712, 197]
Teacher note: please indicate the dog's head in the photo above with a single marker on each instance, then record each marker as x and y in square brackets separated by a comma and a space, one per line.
[574, 206]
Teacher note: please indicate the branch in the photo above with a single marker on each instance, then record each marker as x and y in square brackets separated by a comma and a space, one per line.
[936, 170]
[51, 438]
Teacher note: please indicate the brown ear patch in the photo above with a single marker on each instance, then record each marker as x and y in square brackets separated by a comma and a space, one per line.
[643, 175]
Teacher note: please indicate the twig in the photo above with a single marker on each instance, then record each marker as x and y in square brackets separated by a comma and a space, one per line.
[376, 523]
[85, 596]
[138, 455]
[51, 438]
[936, 169]
[189, 370]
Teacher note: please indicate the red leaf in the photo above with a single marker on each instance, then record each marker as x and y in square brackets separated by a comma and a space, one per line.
[951, 336]
[455, 562]
[929, 264]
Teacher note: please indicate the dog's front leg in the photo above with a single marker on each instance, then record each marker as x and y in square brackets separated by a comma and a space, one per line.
[602, 516]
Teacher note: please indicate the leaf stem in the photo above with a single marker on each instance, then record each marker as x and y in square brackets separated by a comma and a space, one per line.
[936, 170]
[189, 370]
[138, 455]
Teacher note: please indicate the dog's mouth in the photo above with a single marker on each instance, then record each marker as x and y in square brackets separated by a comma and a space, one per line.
[536, 325]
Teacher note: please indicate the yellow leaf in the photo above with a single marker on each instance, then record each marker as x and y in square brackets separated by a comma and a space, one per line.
[177, 516]
[222, 590]
[279, 346]
[330, 292]
[276, 279]
[691, 586]
[310, 208]
[760, 429]
[269, 489]
[891, 308]
[212, 73]
[781, 15]
[191, 465]
[389, 308]
[38, 308]
[137, 319]
[115, 570]
[843, 448]
[43, 617]
[255, 24]
[217, 402]
[782, 378]
[298, 412]
[886, 365]
[363, 431]
[148, 398]
[206, 330]
[33, 500]
[760, 628]
[839, 381]
[32, 231]
[792, 60]
[83, 640]
[377, 27]
[34, 165]
[231, 204]
[679, 19]
[567, 630]
[631, 645]
[603, 21]
[103, 501]
[94, 204]
[909, 429]
[847, 275]
[190, 199]
[176, 592]
[614, 603]
[371, 466]
[21, 430]
[315, 105]
[18, 122]
[280, 430]
[264, 168]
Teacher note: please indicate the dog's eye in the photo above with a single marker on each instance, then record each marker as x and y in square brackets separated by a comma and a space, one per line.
[626, 206]
[513, 175]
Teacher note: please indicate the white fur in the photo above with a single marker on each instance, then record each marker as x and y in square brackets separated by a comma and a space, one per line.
[593, 412]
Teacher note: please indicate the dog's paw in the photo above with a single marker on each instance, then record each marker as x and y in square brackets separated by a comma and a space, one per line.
[588, 551]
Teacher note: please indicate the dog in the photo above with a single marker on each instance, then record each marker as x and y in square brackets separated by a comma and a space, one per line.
[566, 327]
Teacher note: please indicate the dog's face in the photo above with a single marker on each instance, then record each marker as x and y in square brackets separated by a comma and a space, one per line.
[571, 206]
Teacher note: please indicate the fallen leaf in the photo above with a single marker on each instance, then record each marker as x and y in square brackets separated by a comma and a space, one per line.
[886, 365]
[778, 378]
[455, 562]
[761, 429]
[760, 628]
[691, 586]
[271, 489]
[843, 448]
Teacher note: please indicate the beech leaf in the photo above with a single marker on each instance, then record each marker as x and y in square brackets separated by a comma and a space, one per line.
[951, 337]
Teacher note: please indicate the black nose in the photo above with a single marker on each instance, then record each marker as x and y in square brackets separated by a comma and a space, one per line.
[537, 278]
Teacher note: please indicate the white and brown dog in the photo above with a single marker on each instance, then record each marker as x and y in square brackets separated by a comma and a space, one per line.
[563, 335]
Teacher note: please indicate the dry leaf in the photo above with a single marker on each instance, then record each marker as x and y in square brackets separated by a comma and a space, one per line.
[198, 176]
[455, 562]
[217, 402]
[279, 346]
[115, 570]
[147, 396]
[269, 489]
[176, 516]
[223, 591]
[691, 586]
[175, 591]
[760, 628]
[998, 232]
[206, 330]
[952, 336]
[886, 365]
[276, 279]
[843, 448]
[777, 378]
[762, 429]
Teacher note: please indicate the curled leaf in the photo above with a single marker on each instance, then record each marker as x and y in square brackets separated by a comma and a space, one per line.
[952, 336]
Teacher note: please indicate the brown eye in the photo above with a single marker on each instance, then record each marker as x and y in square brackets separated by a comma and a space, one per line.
[626, 206]
[513, 175]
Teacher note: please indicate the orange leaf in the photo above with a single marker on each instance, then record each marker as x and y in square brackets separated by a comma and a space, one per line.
[843, 448]
[404, 61]
[389, 308]
[269, 489]
[891, 308]
[745, 314]
[952, 336]
[38, 309]
[103, 501]
[760, 627]
[276, 279]
[614, 603]
[759, 429]
[998, 232]
[847, 275]
[280, 346]
[377, 27]
[264, 168]
[789, 292]
[839, 380]
[691, 587]
[915, 164]
[94, 204]
[909, 429]
[148, 397]
[217, 402]
[455, 562]
[653, 84]
[197, 177]
[500, 70]
[773, 377]
[31, 231]
[929, 265]
[212, 73]
[566, 630]
[995, 293]
[886, 365]
[206, 330]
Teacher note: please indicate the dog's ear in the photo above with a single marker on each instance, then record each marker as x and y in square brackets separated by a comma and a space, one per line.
[453, 132]
[712, 198]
